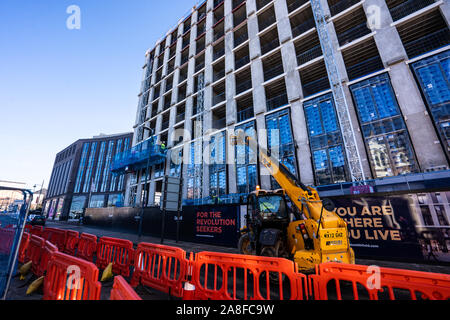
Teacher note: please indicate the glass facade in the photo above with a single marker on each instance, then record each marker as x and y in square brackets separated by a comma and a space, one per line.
[195, 170]
[115, 200]
[217, 167]
[113, 184]
[326, 143]
[77, 207]
[120, 186]
[281, 141]
[106, 171]
[433, 75]
[384, 129]
[81, 167]
[87, 181]
[97, 201]
[246, 161]
[101, 159]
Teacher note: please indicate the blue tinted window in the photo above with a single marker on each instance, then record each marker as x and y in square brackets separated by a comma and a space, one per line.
[387, 140]
[326, 145]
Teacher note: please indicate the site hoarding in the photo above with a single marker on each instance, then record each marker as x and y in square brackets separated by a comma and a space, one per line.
[402, 227]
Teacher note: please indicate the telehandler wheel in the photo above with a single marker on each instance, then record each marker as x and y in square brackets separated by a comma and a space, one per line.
[245, 245]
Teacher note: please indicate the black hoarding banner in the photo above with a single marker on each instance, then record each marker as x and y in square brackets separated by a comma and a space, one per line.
[394, 227]
[217, 225]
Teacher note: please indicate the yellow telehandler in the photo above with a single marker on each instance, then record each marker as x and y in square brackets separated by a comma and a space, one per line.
[292, 222]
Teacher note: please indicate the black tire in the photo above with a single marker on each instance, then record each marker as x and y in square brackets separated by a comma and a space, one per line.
[245, 245]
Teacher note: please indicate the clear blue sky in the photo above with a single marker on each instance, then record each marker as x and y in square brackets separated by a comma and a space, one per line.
[59, 85]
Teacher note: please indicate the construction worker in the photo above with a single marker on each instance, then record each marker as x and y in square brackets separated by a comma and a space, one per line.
[163, 147]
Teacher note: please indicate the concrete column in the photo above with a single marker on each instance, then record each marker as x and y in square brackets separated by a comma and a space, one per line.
[254, 44]
[259, 93]
[209, 27]
[231, 102]
[283, 23]
[262, 141]
[292, 78]
[208, 73]
[228, 16]
[302, 142]
[229, 55]
[424, 138]
[251, 7]
[445, 11]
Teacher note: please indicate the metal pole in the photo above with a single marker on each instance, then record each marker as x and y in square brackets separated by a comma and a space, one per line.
[21, 230]
[179, 208]
[164, 209]
[146, 194]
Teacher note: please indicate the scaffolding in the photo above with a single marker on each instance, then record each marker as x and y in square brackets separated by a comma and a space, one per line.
[342, 109]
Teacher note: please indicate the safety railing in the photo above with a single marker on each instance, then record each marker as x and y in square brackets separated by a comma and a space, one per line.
[117, 251]
[408, 7]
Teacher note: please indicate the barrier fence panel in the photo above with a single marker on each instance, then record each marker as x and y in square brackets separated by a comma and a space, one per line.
[11, 237]
[119, 252]
[24, 247]
[56, 236]
[70, 278]
[72, 238]
[122, 290]
[37, 231]
[28, 228]
[47, 251]
[34, 252]
[160, 267]
[219, 276]
[87, 246]
[354, 282]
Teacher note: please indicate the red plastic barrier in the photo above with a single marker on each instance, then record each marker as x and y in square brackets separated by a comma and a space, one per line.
[72, 238]
[34, 252]
[122, 290]
[160, 267]
[56, 236]
[118, 251]
[6, 240]
[87, 246]
[24, 246]
[221, 276]
[37, 231]
[28, 228]
[363, 282]
[70, 278]
[47, 251]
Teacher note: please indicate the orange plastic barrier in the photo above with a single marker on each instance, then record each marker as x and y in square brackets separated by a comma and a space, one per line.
[72, 238]
[24, 246]
[122, 290]
[34, 252]
[119, 252]
[47, 251]
[87, 246]
[355, 282]
[37, 231]
[70, 278]
[55, 236]
[6, 240]
[221, 276]
[160, 267]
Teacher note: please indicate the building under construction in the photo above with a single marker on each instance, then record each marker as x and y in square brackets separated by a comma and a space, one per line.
[357, 91]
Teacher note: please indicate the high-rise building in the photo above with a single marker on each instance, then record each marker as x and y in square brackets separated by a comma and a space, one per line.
[354, 90]
[82, 177]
